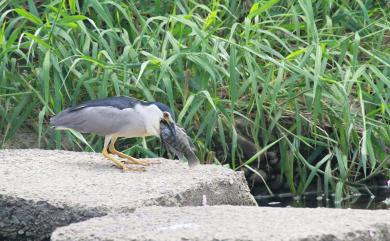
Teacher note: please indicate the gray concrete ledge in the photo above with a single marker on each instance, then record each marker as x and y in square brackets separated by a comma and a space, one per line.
[232, 223]
[41, 190]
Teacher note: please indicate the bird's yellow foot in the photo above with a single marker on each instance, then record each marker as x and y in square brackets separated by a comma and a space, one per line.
[132, 160]
[128, 169]
[144, 162]
[149, 161]
[120, 164]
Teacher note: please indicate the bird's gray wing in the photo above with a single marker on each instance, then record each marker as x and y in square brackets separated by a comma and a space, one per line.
[101, 120]
[119, 102]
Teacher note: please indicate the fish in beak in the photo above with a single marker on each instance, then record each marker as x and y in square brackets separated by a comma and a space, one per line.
[170, 124]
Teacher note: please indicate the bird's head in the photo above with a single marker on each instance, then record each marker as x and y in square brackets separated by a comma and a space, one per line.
[167, 117]
[168, 121]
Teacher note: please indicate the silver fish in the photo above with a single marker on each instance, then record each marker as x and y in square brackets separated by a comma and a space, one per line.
[179, 144]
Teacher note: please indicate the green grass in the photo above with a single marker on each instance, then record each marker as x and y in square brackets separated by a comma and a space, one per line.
[310, 79]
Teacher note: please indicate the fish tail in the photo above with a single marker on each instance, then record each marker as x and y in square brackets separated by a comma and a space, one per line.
[192, 159]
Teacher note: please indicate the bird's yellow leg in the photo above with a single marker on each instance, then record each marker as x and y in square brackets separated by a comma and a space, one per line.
[130, 159]
[120, 164]
[117, 163]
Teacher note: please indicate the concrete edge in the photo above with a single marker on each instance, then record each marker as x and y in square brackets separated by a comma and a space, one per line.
[36, 220]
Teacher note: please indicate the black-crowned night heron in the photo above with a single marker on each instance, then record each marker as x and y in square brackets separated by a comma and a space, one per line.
[116, 117]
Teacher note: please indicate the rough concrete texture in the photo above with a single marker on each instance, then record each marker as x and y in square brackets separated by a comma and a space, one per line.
[232, 223]
[41, 190]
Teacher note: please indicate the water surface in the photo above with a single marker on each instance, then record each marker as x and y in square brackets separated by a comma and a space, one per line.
[380, 200]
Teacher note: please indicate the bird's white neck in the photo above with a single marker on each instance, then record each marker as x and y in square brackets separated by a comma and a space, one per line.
[151, 116]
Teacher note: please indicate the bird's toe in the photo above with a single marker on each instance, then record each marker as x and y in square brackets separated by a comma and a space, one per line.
[136, 169]
[154, 161]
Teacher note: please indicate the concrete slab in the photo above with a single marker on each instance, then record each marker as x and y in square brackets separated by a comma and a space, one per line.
[41, 190]
[232, 223]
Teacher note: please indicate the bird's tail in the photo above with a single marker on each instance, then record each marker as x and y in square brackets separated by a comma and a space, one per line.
[192, 159]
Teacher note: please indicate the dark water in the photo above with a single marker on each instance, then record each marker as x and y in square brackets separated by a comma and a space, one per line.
[380, 200]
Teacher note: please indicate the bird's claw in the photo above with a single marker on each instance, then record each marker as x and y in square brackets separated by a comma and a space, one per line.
[142, 162]
[137, 169]
[136, 162]
[153, 161]
[149, 162]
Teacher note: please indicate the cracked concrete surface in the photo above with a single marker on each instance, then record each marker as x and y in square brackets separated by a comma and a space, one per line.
[41, 190]
[83, 197]
[230, 223]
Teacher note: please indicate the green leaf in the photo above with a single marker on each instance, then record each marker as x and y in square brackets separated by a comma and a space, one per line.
[40, 125]
[38, 40]
[234, 148]
[185, 107]
[46, 76]
[257, 9]
[295, 54]
[92, 60]
[22, 12]
[143, 67]
[261, 177]
[339, 192]
[253, 10]
[363, 149]
[72, 19]
[210, 20]
[72, 6]
[262, 151]
[234, 76]
[327, 179]
[97, 5]
[315, 170]
[208, 97]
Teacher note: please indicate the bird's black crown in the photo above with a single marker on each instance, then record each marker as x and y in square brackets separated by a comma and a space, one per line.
[163, 108]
